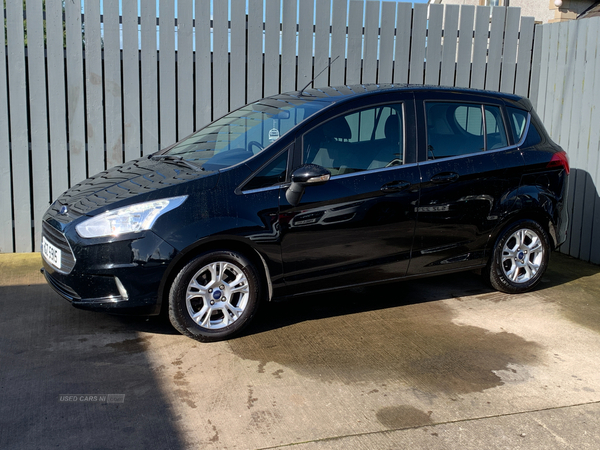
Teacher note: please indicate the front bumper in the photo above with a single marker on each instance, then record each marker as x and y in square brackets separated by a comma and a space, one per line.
[121, 277]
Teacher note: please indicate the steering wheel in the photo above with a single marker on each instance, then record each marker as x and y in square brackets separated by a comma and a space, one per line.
[255, 144]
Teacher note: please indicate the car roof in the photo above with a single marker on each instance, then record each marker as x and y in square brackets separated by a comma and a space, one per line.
[339, 94]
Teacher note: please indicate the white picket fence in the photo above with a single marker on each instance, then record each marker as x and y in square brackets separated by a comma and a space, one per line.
[141, 82]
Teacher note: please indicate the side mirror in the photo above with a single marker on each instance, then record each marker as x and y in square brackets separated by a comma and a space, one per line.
[307, 175]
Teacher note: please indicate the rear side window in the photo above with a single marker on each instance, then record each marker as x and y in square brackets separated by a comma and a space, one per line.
[463, 128]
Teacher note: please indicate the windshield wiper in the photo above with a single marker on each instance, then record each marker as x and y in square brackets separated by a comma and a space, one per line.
[177, 159]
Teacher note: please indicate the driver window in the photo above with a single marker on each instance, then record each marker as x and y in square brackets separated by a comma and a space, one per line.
[368, 139]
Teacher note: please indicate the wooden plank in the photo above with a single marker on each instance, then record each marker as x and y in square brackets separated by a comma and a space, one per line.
[167, 109]
[434, 44]
[449, 48]
[578, 91]
[6, 204]
[594, 138]
[18, 127]
[203, 64]
[465, 47]
[305, 42]
[492, 78]
[38, 117]
[288, 46]
[524, 56]
[589, 135]
[386, 45]
[255, 51]
[185, 73]
[417, 49]
[337, 70]
[509, 53]
[93, 88]
[371, 41]
[539, 70]
[355, 36]
[56, 98]
[149, 79]
[272, 52]
[480, 47]
[112, 83]
[322, 24]
[131, 81]
[402, 46]
[238, 53]
[558, 82]
[75, 91]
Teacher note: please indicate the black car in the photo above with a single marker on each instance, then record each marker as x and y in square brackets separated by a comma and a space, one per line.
[312, 191]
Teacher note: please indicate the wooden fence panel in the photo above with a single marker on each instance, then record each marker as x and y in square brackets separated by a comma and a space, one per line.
[509, 54]
[402, 48]
[6, 203]
[417, 49]
[524, 58]
[131, 81]
[480, 47]
[434, 45]
[288, 46]
[167, 107]
[203, 64]
[492, 72]
[355, 23]
[337, 70]
[75, 88]
[465, 47]
[112, 84]
[238, 51]
[93, 88]
[255, 52]
[18, 127]
[322, 25]
[37, 116]
[305, 43]
[185, 67]
[149, 69]
[386, 45]
[57, 99]
[449, 49]
[371, 41]
[272, 50]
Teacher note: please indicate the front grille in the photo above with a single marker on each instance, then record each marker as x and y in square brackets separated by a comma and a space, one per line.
[58, 239]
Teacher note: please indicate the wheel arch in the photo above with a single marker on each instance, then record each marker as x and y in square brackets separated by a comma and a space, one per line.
[222, 243]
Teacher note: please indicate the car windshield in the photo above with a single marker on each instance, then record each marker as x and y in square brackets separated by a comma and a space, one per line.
[243, 133]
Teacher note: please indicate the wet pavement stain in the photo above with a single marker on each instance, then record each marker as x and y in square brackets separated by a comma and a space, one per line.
[404, 416]
[417, 344]
[131, 345]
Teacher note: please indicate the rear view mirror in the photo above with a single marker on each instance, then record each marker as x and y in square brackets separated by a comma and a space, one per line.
[307, 175]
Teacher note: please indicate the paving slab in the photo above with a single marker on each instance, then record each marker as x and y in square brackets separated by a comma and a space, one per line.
[442, 362]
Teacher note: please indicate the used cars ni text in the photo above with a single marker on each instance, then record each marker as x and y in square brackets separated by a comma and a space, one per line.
[311, 191]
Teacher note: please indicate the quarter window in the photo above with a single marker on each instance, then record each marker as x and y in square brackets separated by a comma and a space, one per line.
[369, 139]
[273, 173]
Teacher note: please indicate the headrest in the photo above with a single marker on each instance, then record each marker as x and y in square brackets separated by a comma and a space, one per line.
[392, 128]
[337, 128]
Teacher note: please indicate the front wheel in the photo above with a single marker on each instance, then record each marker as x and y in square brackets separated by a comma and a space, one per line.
[520, 258]
[214, 296]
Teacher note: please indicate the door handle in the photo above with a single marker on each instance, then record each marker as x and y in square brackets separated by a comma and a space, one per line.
[395, 186]
[445, 177]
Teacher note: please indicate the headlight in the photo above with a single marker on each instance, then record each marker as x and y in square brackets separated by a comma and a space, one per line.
[130, 219]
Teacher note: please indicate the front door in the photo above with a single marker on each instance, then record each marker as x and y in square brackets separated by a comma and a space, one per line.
[357, 227]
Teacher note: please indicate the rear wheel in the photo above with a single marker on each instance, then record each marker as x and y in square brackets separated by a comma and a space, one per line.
[520, 257]
[214, 296]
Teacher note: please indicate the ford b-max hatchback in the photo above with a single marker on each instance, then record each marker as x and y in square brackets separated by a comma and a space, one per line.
[312, 191]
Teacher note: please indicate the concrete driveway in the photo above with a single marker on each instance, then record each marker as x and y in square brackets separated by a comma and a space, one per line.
[435, 363]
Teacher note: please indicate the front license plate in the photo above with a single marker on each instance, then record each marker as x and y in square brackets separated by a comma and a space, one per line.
[51, 253]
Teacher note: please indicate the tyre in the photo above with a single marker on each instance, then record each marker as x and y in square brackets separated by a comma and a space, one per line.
[520, 258]
[214, 296]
